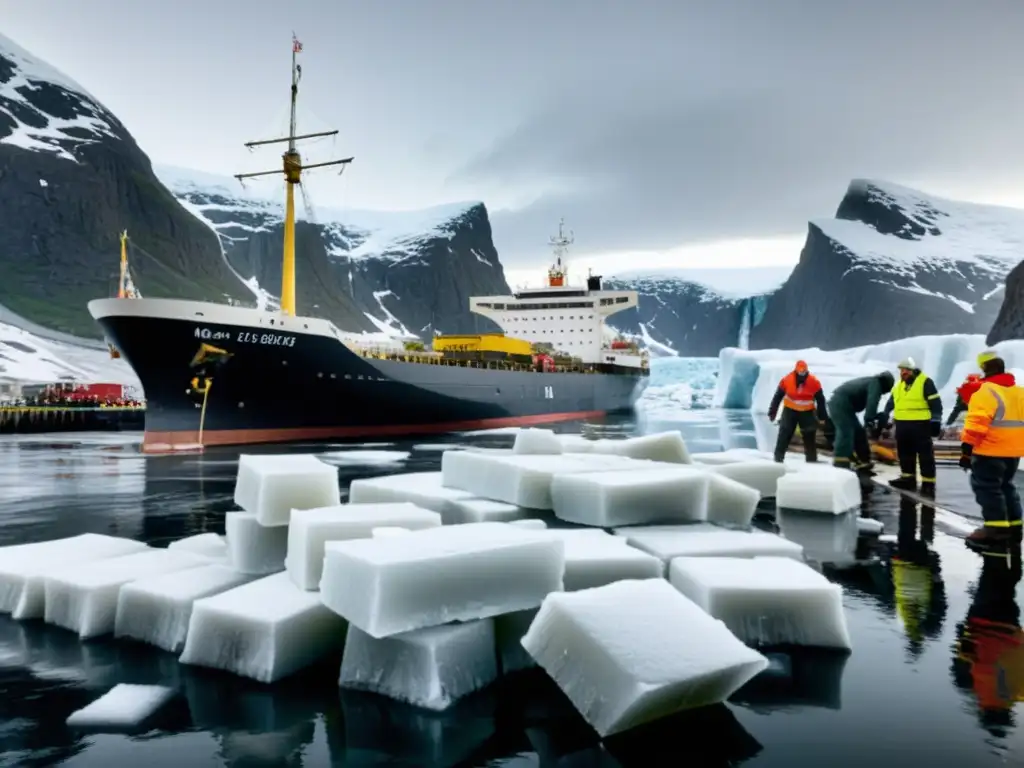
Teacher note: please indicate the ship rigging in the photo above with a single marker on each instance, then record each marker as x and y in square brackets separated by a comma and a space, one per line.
[292, 169]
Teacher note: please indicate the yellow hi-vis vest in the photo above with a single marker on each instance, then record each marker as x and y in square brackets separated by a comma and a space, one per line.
[910, 404]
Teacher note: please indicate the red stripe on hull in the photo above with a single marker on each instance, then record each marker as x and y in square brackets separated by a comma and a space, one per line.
[184, 440]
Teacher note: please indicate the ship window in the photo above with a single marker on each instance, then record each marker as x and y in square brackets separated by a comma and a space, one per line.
[621, 299]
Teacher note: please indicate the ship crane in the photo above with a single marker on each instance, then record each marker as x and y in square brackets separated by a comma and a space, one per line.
[558, 272]
[292, 169]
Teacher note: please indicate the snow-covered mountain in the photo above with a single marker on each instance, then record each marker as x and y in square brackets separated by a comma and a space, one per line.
[71, 178]
[696, 312]
[397, 273]
[893, 263]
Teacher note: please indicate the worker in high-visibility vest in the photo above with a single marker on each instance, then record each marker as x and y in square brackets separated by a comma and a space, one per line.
[803, 405]
[963, 396]
[992, 447]
[917, 412]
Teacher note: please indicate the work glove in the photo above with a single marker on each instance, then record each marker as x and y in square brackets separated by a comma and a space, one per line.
[772, 415]
[936, 428]
[966, 449]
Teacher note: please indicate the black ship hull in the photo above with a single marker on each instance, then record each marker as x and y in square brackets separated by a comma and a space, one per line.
[283, 379]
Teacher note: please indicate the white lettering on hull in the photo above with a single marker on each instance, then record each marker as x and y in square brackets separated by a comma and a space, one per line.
[247, 337]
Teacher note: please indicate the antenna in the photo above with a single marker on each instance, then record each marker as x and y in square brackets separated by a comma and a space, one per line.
[292, 169]
[560, 243]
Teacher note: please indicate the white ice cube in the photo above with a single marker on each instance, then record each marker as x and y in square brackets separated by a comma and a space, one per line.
[83, 597]
[484, 511]
[382, 532]
[209, 545]
[529, 523]
[23, 567]
[730, 502]
[825, 538]
[524, 481]
[123, 706]
[594, 558]
[869, 526]
[266, 630]
[762, 476]
[537, 441]
[635, 651]
[437, 575]
[424, 489]
[666, 447]
[253, 548]
[731, 456]
[310, 529]
[822, 489]
[431, 668]
[576, 444]
[670, 541]
[765, 600]
[270, 487]
[606, 499]
[157, 609]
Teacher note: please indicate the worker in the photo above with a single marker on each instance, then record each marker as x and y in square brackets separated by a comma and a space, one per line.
[850, 398]
[991, 448]
[800, 395]
[963, 396]
[916, 409]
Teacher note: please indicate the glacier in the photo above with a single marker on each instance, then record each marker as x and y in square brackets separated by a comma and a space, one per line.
[748, 379]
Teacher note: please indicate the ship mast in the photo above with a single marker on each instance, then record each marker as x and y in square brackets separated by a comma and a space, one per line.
[292, 170]
[560, 242]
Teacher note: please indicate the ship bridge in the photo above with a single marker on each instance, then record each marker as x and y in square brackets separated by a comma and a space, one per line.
[571, 318]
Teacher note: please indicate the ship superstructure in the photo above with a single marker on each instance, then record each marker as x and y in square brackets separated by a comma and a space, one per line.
[569, 319]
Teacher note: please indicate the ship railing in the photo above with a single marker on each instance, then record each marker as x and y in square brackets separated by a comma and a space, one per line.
[435, 358]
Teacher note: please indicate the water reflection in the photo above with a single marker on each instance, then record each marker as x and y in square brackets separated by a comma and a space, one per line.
[988, 655]
[796, 678]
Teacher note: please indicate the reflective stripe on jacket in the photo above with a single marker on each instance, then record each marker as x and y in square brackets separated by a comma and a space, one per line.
[799, 397]
[995, 421]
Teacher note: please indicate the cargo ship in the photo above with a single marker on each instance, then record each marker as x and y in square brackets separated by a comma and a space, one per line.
[217, 374]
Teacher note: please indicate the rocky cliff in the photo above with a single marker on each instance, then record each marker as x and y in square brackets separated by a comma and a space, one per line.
[408, 273]
[71, 178]
[894, 263]
[696, 312]
[1009, 322]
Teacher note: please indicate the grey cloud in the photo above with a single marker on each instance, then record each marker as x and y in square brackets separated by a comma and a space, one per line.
[769, 133]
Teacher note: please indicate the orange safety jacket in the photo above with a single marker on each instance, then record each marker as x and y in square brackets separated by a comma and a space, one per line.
[995, 418]
[799, 397]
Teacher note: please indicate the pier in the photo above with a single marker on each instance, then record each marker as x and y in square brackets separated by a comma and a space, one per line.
[37, 419]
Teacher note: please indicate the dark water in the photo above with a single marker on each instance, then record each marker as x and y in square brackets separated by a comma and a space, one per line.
[936, 671]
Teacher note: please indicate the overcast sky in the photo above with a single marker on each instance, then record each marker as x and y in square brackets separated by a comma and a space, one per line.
[667, 133]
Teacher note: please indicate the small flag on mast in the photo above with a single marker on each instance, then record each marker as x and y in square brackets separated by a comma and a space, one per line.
[296, 45]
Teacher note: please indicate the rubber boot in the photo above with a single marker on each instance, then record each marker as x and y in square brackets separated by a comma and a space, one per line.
[904, 483]
[928, 488]
[987, 538]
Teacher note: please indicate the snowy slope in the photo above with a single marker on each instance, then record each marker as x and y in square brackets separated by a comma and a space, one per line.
[696, 312]
[72, 178]
[65, 124]
[405, 272]
[27, 358]
[893, 263]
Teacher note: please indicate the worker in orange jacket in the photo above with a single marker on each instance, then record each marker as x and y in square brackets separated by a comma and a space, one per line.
[803, 402]
[991, 448]
[989, 650]
[963, 396]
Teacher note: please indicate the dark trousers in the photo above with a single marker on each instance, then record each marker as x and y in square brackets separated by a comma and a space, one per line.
[994, 490]
[913, 446]
[808, 423]
[851, 440]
